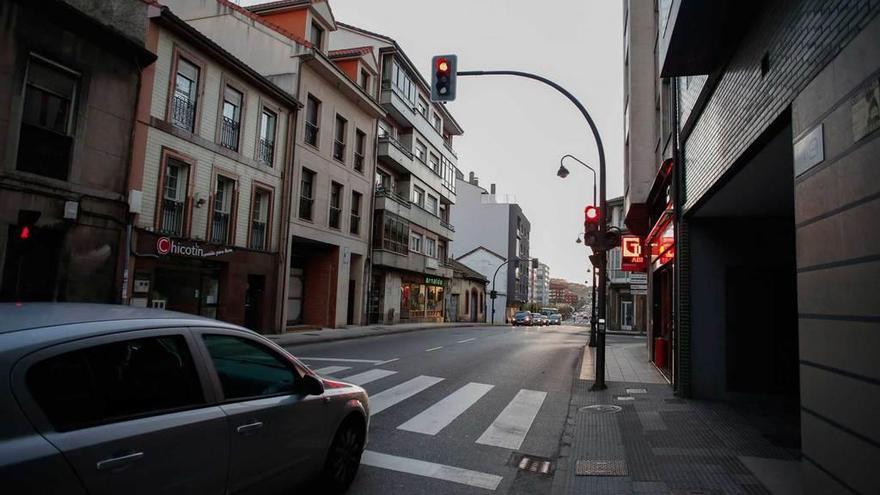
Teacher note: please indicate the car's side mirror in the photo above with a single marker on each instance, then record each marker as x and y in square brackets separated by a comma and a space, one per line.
[312, 385]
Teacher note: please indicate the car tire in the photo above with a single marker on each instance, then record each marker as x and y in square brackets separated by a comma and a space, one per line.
[344, 457]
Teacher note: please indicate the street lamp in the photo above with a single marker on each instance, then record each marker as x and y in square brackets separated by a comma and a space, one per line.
[563, 173]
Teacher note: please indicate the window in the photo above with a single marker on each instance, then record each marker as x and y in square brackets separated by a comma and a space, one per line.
[355, 224]
[335, 205]
[400, 82]
[230, 124]
[266, 147]
[421, 151]
[415, 242]
[441, 250]
[313, 112]
[339, 142]
[174, 197]
[395, 233]
[418, 196]
[365, 80]
[46, 138]
[422, 107]
[434, 163]
[317, 35]
[360, 142]
[260, 219]
[437, 122]
[247, 369]
[384, 130]
[115, 381]
[306, 194]
[430, 247]
[431, 204]
[383, 181]
[221, 219]
[186, 89]
[444, 213]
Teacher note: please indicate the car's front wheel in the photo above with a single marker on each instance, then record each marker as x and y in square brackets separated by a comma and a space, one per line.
[344, 457]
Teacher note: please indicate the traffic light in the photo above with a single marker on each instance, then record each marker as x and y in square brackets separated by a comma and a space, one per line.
[443, 68]
[591, 226]
[27, 220]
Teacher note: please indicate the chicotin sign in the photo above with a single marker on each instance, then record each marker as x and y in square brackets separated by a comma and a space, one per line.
[166, 246]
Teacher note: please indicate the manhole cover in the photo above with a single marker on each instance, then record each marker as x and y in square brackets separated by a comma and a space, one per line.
[601, 408]
[593, 467]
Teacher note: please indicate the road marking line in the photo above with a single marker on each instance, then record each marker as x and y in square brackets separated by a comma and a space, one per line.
[387, 398]
[433, 349]
[341, 360]
[368, 376]
[435, 418]
[329, 370]
[386, 362]
[511, 426]
[431, 470]
[467, 340]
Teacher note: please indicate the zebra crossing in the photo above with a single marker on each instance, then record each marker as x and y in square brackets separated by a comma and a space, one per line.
[508, 430]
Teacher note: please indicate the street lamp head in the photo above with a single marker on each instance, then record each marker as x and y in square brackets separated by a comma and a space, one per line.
[578, 240]
[562, 172]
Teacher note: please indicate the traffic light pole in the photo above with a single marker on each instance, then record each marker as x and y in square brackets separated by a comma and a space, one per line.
[599, 383]
[495, 294]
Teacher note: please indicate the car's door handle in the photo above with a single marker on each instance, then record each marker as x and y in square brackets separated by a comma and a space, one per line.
[256, 425]
[116, 462]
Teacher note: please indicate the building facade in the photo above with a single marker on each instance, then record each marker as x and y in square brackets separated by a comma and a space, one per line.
[65, 145]
[212, 157]
[500, 227]
[561, 293]
[539, 285]
[626, 302]
[776, 132]
[489, 265]
[467, 294]
[414, 183]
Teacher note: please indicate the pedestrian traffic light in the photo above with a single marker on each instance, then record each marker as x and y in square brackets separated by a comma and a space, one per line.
[27, 220]
[443, 68]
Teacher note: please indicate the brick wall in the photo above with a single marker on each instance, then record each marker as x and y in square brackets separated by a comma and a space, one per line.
[799, 38]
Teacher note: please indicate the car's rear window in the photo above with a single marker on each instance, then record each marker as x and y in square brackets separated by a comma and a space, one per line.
[523, 313]
[115, 381]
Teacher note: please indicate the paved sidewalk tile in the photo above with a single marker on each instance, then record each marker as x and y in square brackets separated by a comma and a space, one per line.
[667, 444]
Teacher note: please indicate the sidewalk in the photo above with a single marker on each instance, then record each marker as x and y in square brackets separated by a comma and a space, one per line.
[356, 332]
[655, 443]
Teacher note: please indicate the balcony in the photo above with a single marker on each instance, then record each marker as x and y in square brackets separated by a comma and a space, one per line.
[258, 236]
[267, 152]
[220, 228]
[229, 131]
[415, 214]
[400, 109]
[391, 153]
[412, 262]
[172, 217]
[183, 112]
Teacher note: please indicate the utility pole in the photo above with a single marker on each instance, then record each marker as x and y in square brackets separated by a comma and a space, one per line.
[599, 383]
[494, 294]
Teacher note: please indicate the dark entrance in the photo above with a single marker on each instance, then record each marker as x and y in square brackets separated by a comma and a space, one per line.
[351, 293]
[253, 302]
[30, 271]
[189, 287]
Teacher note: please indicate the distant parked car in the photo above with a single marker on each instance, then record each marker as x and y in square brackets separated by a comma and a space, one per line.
[555, 319]
[522, 318]
[105, 399]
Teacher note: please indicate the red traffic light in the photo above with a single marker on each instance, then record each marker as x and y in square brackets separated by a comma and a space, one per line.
[25, 233]
[442, 65]
[591, 214]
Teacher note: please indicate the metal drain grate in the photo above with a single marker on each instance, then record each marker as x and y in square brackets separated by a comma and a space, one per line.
[626, 397]
[601, 408]
[636, 391]
[594, 467]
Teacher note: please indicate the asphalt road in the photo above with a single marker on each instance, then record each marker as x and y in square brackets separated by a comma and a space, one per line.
[454, 407]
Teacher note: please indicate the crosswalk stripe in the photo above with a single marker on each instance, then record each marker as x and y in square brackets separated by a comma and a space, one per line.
[368, 376]
[387, 398]
[431, 470]
[329, 370]
[435, 418]
[511, 426]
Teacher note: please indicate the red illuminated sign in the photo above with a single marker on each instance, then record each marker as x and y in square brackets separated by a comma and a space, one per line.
[631, 257]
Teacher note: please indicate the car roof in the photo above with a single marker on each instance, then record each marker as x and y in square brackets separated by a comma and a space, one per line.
[16, 317]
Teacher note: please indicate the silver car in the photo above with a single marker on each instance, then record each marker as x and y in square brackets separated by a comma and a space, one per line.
[111, 399]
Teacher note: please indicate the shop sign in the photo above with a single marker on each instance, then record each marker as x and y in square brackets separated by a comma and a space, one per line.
[429, 280]
[631, 256]
[166, 246]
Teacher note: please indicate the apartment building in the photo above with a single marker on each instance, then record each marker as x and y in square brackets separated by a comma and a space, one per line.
[776, 235]
[334, 147]
[499, 227]
[68, 91]
[626, 302]
[539, 285]
[208, 181]
[414, 185]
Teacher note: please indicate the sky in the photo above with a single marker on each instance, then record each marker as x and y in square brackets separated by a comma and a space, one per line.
[516, 130]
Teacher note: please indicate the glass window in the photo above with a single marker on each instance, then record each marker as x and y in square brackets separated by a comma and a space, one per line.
[437, 122]
[260, 219]
[313, 112]
[221, 223]
[339, 142]
[266, 148]
[230, 124]
[355, 223]
[116, 381]
[359, 150]
[434, 163]
[431, 204]
[335, 205]
[430, 247]
[306, 196]
[423, 107]
[186, 90]
[421, 150]
[418, 196]
[317, 35]
[415, 243]
[247, 369]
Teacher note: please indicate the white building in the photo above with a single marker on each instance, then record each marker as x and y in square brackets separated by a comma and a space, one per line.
[490, 265]
[539, 285]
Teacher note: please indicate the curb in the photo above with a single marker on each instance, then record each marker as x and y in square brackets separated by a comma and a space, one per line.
[392, 331]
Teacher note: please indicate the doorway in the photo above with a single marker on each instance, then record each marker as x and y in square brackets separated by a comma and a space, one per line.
[352, 286]
[253, 302]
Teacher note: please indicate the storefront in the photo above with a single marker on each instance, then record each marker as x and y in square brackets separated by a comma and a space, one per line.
[661, 242]
[421, 298]
[221, 282]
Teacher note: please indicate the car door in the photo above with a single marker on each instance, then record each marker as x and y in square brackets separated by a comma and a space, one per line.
[129, 412]
[278, 434]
